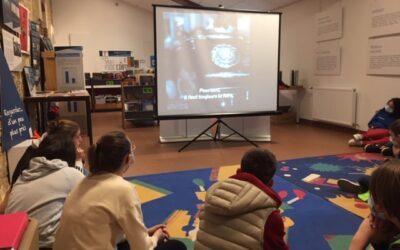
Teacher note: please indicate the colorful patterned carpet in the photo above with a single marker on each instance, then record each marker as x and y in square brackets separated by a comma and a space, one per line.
[319, 175]
[313, 221]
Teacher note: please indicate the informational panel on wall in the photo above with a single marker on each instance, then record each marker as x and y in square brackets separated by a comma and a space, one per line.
[114, 60]
[15, 124]
[385, 17]
[384, 56]
[12, 51]
[328, 23]
[327, 58]
[216, 62]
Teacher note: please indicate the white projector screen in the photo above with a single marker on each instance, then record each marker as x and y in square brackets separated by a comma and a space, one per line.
[213, 63]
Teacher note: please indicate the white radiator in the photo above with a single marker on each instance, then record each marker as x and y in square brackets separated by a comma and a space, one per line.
[335, 105]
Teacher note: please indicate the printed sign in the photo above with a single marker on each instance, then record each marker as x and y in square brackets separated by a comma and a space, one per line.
[15, 124]
[329, 23]
[115, 60]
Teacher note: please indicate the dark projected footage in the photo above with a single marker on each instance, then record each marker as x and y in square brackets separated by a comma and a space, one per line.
[221, 43]
[209, 62]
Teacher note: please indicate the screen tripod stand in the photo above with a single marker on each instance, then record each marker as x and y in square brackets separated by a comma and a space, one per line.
[217, 134]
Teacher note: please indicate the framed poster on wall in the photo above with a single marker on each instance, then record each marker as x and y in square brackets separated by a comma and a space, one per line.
[10, 13]
[12, 51]
[35, 50]
[29, 81]
[24, 35]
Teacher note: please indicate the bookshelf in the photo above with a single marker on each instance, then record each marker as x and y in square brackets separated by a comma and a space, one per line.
[105, 94]
[138, 100]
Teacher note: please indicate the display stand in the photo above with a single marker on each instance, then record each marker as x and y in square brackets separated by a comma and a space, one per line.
[217, 135]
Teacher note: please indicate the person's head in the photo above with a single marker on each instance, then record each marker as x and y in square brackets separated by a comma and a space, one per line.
[393, 107]
[67, 128]
[113, 153]
[385, 190]
[260, 163]
[53, 146]
[57, 147]
[394, 130]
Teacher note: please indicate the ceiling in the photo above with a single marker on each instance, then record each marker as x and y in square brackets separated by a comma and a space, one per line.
[259, 5]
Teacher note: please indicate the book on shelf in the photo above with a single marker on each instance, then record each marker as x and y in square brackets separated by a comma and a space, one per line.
[147, 105]
[133, 106]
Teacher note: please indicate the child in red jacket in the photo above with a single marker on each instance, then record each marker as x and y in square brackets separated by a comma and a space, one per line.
[378, 126]
[243, 210]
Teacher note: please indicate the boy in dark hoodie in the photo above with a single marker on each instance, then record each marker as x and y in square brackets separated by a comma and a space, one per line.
[244, 210]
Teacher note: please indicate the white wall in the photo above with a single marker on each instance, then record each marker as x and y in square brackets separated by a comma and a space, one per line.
[297, 52]
[102, 25]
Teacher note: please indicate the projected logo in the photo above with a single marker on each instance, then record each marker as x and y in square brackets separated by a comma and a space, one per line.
[224, 55]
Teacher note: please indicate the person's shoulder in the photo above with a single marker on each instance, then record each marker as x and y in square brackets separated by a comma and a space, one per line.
[115, 182]
[72, 172]
[121, 189]
[127, 185]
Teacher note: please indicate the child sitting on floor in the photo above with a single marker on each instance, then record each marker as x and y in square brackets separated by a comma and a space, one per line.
[242, 212]
[391, 148]
[378, 133]
[382, 227]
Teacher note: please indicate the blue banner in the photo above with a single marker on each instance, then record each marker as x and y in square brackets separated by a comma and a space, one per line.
[15, 124]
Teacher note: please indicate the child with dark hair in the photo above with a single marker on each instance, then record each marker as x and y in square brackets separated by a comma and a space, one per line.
[71, 129]
[391, 148]
[378, 133]
[104, 209]
[44, 184]
[243, 211]
[382, 227]
[62, 128]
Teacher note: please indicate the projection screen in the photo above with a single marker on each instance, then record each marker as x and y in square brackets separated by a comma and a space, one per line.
[215, 62]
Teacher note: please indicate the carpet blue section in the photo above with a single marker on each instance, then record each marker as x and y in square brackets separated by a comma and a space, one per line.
[183, 194]
[313, 216]
[332, 167]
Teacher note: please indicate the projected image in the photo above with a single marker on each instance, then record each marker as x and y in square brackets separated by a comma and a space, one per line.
[217, 39]
[224, 56]
[209, 61]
